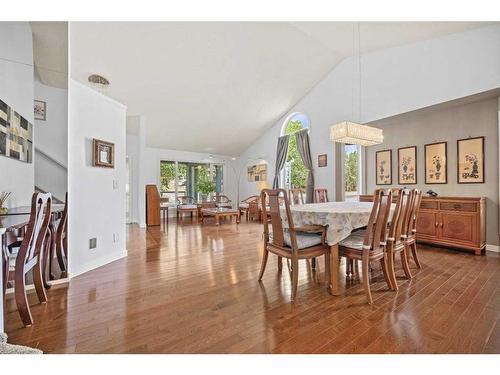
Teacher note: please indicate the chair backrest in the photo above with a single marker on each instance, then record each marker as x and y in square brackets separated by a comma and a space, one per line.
[221, 198]
[63, 223]
[296, 196]
[271, 207]
[376, 230]
[185, 199]
[320, 195]
[411, 223]
[41, 210]
[400, 217]
[250, 199]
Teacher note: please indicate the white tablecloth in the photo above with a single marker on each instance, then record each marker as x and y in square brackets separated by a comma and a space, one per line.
[341, 217]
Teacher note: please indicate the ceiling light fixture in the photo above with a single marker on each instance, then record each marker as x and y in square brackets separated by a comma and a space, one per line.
[353, 132]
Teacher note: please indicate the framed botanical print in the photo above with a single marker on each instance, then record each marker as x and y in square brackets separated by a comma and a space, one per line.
[470, 160]
[436, 169]
[383, 167]
[322, 160]
[103, 154]
[40, 109]
[407, 165]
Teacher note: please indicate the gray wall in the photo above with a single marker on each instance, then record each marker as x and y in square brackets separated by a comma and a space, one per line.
[446, 124]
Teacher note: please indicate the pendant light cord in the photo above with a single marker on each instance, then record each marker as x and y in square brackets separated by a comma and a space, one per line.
[359, 68]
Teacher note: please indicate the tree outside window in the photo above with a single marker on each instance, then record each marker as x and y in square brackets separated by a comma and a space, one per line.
[295, 167]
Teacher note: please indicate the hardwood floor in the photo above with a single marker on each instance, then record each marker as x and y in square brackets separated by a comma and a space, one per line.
[194, 289]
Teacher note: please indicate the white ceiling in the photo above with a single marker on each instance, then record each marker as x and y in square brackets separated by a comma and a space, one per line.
[216, 87]
[50, 52]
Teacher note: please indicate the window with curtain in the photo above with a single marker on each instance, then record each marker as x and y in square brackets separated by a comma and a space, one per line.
[190, 179]
[352, 172]
[295, 173]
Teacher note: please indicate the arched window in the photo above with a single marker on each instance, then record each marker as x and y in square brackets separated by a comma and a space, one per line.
[294, 173]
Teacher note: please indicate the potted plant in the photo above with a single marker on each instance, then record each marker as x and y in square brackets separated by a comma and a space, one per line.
[3, 198]
[206, 186]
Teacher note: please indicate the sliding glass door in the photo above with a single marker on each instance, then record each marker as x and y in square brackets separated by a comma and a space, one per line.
[195, 180]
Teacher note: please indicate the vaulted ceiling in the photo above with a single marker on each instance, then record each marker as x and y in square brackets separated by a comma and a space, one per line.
[216, 87]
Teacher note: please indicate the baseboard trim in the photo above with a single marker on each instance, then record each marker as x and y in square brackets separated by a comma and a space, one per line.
[493, 248]
[98, 263]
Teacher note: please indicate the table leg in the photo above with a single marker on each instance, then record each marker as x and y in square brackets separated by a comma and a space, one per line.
[217, 220]
[334, 270]
[238, 218]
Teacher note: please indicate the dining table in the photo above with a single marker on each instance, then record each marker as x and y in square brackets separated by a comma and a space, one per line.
[340, 218]
[18, 217]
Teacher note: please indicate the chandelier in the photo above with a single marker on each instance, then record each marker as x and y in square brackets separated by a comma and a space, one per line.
[352, 132]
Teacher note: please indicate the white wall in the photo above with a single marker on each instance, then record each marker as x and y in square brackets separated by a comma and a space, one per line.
[16, 89]
[394, 81]
[146, 169]
[52, 141]
[97, 208]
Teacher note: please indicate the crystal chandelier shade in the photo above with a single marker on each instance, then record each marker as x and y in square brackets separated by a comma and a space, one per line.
[357, 134]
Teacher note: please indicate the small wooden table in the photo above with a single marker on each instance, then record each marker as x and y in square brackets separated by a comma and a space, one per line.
[220, 212]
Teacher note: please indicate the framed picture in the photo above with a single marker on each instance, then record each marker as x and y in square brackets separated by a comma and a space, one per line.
[470, 160]
[436, 169]
[407, 165]
[40, 110]
[103, 154]
[256, 173]
[322, 160]
[383, 167]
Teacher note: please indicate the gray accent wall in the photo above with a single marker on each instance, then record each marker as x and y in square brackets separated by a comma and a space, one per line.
[446, 123]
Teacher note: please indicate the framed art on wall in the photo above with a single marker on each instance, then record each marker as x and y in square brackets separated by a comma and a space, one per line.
[16, 135]
[470, 160]
[436, 169]
[40, 110]
[322, 160]
[103, 154]
[383, 167]
[407, 165]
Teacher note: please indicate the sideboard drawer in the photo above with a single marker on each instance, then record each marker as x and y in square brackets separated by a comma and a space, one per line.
[458, 206]
[429, 205]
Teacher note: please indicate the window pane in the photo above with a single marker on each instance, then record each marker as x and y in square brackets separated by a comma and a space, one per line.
[167, 180]
[351, 172]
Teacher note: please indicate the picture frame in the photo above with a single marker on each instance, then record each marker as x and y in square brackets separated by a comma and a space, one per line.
[383, 167]
[103, 154]
[436, 163]
[407, 165]
[256, 173]
[322, 160]
[40, 110]
[16, 135]
[470, 160]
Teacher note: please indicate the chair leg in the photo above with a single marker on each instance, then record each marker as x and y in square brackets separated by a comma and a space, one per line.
[280, 264]
[38, 281]
[295, 277]
[415, 254]
[390, 270]
[265, 255]
[22, 299]
[404, 262]
[313, 263]
[366, 278]
[386, 275]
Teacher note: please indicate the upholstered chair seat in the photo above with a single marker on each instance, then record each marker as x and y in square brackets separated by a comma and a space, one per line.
[304, 240]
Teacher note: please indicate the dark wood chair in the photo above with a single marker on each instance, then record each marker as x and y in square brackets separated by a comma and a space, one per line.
[397, 234]
[62, 240]
[186, 204]
[292, 243]
[410, 237]
[31, 253]
[296, 196]
[222, 201]
[320, 195]
[370, 245]
[244, 205]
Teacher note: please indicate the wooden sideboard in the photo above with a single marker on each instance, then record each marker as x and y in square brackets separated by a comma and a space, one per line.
[458, 222]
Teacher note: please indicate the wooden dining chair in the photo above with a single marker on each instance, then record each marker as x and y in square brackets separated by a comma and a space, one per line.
[294, 243]
[31, 253]
[222, 201]
[410, 235]
[296, 196]
[320, 195]
[397, 233]
[370, 245]
[62, 240]
[244, 205]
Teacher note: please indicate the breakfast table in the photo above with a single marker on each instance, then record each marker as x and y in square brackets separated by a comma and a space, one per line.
[340, 218]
